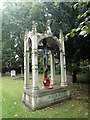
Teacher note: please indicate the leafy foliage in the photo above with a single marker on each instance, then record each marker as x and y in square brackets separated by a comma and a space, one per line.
[83, 18]
[14, 24]
[17, 17]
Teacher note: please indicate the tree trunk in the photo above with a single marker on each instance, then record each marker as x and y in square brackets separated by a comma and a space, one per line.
[74, 76]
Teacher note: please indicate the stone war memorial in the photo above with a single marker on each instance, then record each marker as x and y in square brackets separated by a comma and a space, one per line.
[35, 97]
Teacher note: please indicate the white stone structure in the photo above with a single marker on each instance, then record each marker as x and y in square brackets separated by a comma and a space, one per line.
[13, 73]
[36, 97]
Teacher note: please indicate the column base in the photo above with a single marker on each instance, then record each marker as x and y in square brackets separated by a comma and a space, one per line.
[63, 84]
[26, 86]
[35, 89]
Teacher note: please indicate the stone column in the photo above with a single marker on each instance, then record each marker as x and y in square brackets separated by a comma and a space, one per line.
[34, 58]
[52, 68]
[62, 60]
[26, 63]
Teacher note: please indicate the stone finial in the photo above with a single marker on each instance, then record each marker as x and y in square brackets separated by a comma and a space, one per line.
[26, 34]
[48, 27]
[34, 27]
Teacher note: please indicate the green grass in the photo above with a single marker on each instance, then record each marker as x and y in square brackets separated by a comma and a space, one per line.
[76, 107]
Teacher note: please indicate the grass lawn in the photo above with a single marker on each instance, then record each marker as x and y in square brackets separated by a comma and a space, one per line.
[76, 107]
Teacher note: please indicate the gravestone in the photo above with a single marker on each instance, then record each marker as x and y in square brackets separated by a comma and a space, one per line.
[13, 73]
[69, 78]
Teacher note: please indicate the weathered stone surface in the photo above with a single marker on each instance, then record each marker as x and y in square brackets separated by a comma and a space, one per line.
[43, 98]
[69, 78]
[37, 98]
[13, 73]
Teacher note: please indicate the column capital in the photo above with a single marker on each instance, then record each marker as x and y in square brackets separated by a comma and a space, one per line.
[51, 51]
[34, 51]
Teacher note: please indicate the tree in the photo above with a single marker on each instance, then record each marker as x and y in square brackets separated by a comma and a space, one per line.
[78, 40]
[14, 24]
[16, 18]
